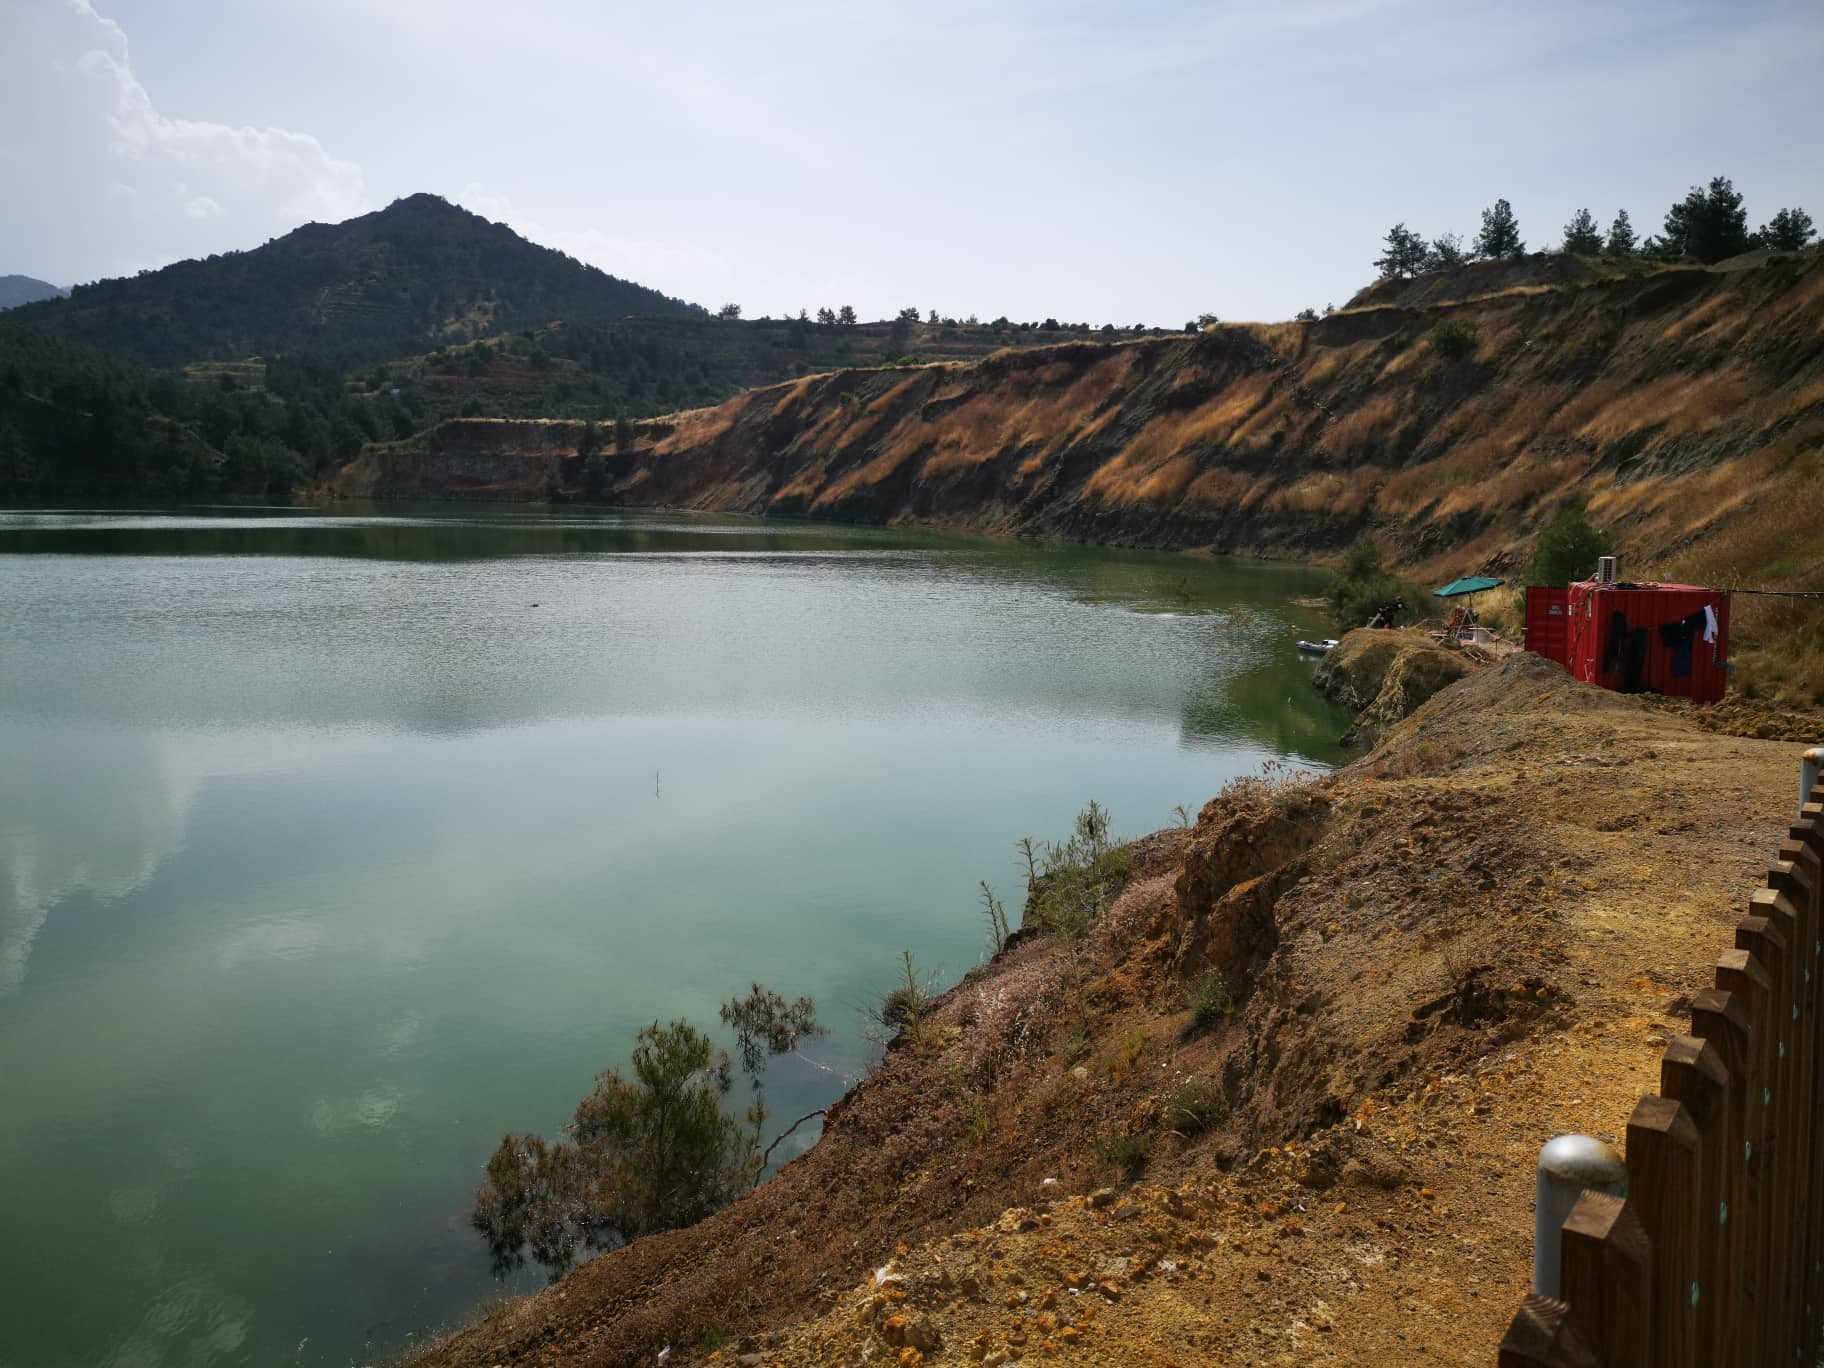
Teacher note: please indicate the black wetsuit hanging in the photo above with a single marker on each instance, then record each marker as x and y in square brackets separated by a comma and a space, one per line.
[1678, 637]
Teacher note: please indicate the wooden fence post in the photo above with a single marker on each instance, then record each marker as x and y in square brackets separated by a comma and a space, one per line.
[1747, 981]
[1663, 1188]
[1766, 935]
[1692, 1074]
[1543, 1335]
[1607, 1277]
[1718, 1019]
[1793, 898]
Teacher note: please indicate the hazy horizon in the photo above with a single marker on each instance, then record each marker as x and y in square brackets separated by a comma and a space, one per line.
[1031, 160]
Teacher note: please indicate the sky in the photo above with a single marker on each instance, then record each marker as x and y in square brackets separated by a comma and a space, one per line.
[1135, 162]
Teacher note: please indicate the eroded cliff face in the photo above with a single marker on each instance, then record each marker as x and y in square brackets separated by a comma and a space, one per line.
[1686, 406]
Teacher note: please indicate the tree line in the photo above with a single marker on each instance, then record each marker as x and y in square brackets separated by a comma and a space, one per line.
[1709, 224]
[74, 420]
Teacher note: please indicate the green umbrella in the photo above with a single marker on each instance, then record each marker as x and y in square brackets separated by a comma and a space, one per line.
[1475, 584]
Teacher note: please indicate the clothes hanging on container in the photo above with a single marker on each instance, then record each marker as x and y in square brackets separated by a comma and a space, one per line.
[1709, 625]
[1618, 633]
[1678, 637]
[1633, 659]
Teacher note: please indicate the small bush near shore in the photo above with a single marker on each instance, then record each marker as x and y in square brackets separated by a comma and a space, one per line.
[1073, 882]
[1362, 586]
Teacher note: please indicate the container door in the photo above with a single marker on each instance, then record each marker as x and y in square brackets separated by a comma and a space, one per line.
[1547, 623]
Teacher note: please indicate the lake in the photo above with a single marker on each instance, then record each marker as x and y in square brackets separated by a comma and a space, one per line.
[336, 843]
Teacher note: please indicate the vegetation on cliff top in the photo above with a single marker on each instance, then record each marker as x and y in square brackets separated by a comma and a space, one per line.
[1708, 225]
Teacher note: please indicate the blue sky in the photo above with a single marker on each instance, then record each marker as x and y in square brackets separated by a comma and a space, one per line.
[1140, 162]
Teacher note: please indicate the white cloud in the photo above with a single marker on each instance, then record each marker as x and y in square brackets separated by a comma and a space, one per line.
[101, 177]
[678, 268]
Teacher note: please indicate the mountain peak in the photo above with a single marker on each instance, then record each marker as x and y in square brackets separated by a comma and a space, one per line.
[420, 273]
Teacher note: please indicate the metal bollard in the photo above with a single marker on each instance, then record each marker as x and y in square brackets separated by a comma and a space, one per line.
[1808, 773]
[1568, 1165]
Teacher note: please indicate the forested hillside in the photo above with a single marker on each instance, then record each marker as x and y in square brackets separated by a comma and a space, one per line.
[394, 283]
[75, 421]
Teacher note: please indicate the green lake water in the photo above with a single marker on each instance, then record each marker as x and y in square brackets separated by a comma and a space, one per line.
[335, 843]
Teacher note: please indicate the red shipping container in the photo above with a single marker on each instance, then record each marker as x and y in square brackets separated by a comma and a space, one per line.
[1548, 624]
[1639, 638]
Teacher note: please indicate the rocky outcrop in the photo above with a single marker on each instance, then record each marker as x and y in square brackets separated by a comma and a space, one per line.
[1242, 854]
[1385, 676]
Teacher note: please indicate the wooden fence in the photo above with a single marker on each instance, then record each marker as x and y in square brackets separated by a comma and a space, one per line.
[1716, 1257]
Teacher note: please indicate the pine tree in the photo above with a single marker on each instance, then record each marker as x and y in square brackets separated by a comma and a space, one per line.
[1500, 235]
[1709, 223]
[1405, 254]
[1789, 230]
[1446, 252]
[1621, 236]
[846, 315]
[827, 317]
[1581, 235]
[1567, 548]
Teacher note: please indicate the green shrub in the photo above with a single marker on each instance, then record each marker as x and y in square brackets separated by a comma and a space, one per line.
[903, 1009]
[644, 1154]
[1361, 586]
[1193, 1106]
[1129, 1153]
[977, 1119]
[1453, 339]
[1073, 882]
[1210, 1001]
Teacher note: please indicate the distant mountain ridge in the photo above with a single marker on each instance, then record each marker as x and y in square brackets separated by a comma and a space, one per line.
[23, 289]
[419, 273]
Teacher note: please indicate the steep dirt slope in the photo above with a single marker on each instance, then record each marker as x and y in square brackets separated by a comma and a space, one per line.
[1686, 405]
[1475, 938]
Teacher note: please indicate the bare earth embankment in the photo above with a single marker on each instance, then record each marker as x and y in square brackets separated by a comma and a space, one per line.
[1476, 937]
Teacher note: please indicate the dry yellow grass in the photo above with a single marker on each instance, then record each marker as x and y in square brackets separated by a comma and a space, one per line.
[1329, 363]
[1808, 396]
[1678, 403]
[1364, 429]
[1716, 319]
[1260, 425]
[1126, 478]
[791, 396]
[1218, 487]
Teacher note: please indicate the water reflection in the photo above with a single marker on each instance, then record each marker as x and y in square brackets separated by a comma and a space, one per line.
[330, 850]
